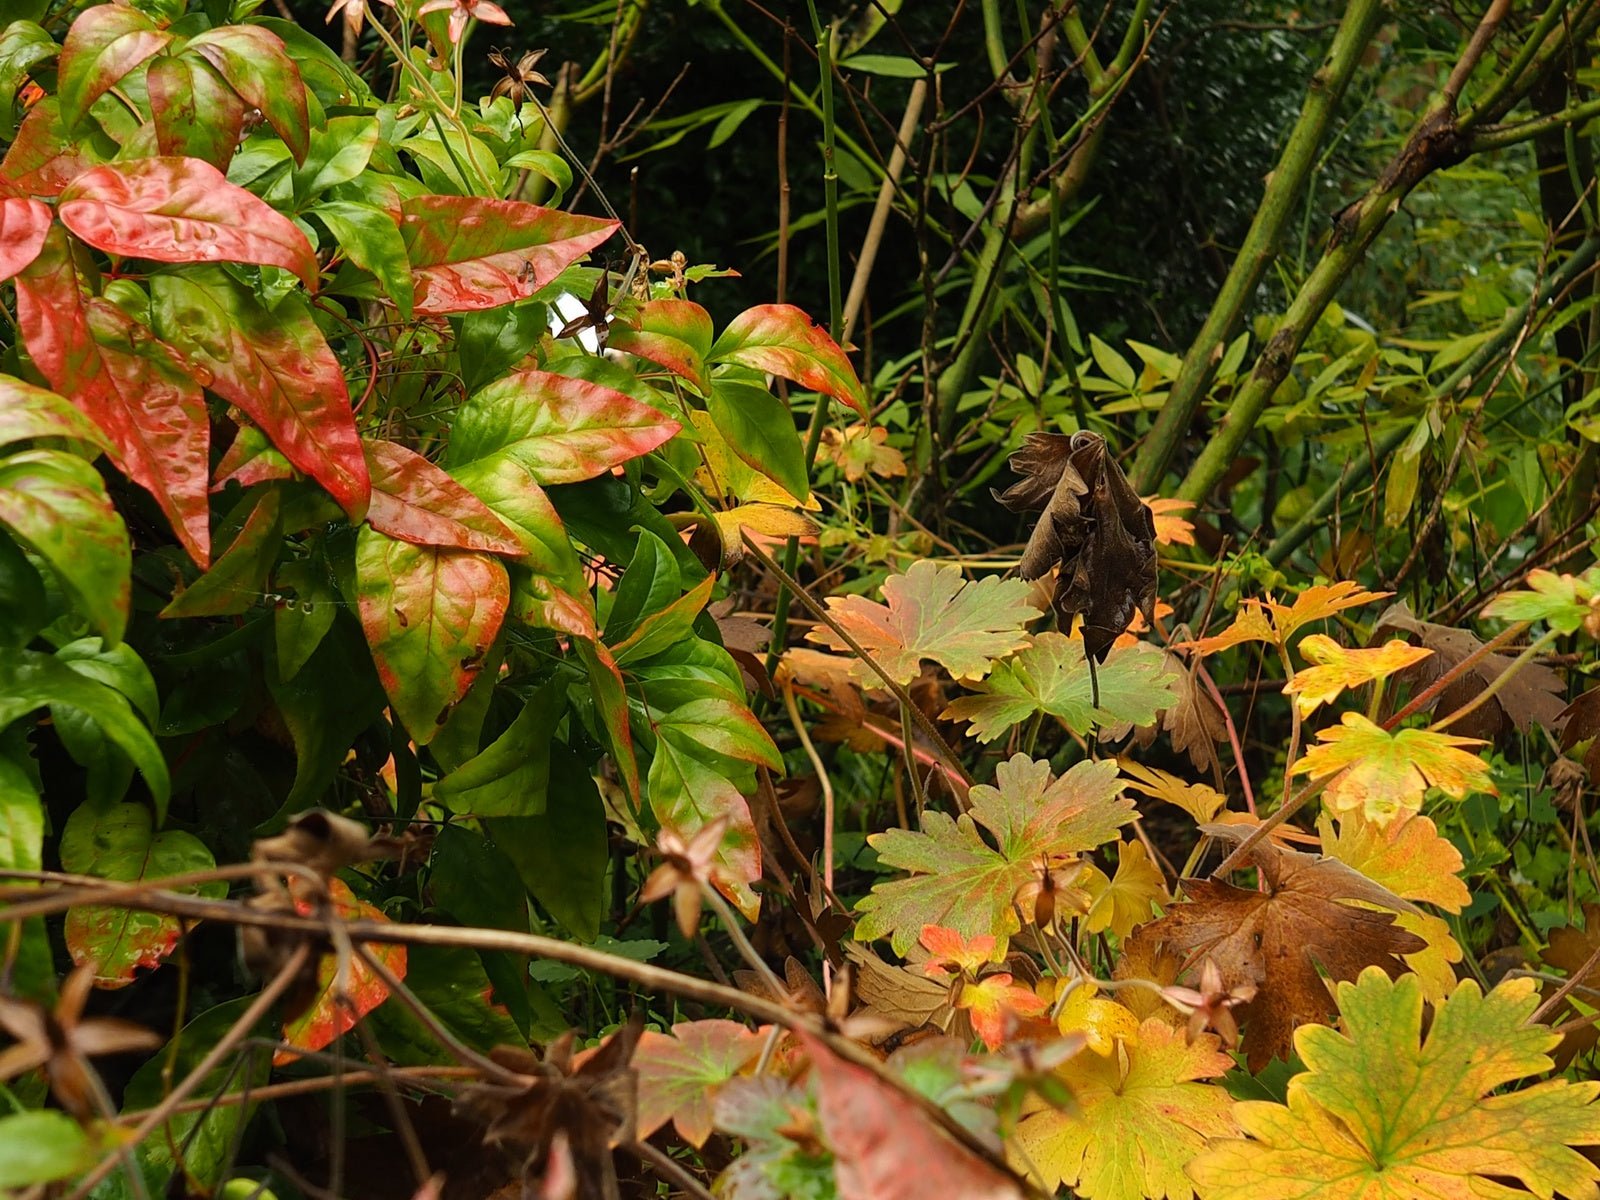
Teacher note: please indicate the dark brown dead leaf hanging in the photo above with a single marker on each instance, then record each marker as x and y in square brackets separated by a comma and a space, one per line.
[1093, 526]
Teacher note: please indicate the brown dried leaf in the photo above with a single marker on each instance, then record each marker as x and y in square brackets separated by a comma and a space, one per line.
[1570, 952]
[1581, 722]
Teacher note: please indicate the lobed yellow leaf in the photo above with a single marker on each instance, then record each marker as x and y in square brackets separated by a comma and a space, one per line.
[1199, 800]
[1122, 902]
[1385, 773]
[1338, 668]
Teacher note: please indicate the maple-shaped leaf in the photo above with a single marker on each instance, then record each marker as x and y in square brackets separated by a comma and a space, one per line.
[1052, 676]
[1194, 721]
[900, 995]
[968, 884]
[993, 1002]
[1386, 772]
[1125, 900]
[1199, 800]
[1285, 938]
[1572, 951]
[680, 1075]
[1531, 697]
[948, 949]
[1382, 1111]
[1269, 621]
[1338, 669]
[933, 613]
[1140, 1117]
[1171, 530]
[1566, 603]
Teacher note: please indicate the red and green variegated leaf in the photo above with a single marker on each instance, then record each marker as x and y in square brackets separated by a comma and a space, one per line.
[103, 45]
[257, 67]
[240, 572]
[715, 728]
[611, 708]
[415, 501]
[120, 843]
[181, 210]
[31, 412]
[782, 340]
[430, 616]
[329, 1015]
[276, 367]
[196, 113]
[250, 460]
[130, 384]
[675, 334]
[562, 429]
[23, 225]
[686, 795]
[467, 253]
[679, 1076]
[45, 158]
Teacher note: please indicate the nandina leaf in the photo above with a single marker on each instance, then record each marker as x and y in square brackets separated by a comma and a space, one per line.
[1382, 1110]
[276, 367]
[1139, 1118]
[1197, 799]
[1566, 603]
[23, 226]
[961, 881]
[332, 1014]
[468, 253]
[719, 731]
[725, 473]
[119, 843]
[1125, 900]
[1386, 772]
[24, 48]
[932, 613]
[44, 158]
[1278, 938]
[132, 385]
[181, 210]
[196, 113]
[416, 502]
[28, 412]
[666, 627]
[257, 67]
[1339, 669]
[105, 43]
[884, 1147]
[1052, 676]
[686, 795]
[675, 334]
[1268, 621]
[240, 572]
[561, 429]
[680, 1075]
[611, 713]
[782, 340]
[758, 427]
[430, 616]
[250, 459]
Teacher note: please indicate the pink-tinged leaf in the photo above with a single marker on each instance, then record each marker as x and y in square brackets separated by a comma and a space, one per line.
[28, 412]
[561, 429]
[257, 67]
[415, 501]
[103, 45]
[196, 113]
[331, 1016]
[119, 843]
[276, 367]
[181, 210]
[679, 1076]
[468, 253]
[782, 340]
[675, 334]
[23, 225]
[430, 616]
[250, 460]
[132, 385]
[687, 795]
[44, 158]
[885, 1146]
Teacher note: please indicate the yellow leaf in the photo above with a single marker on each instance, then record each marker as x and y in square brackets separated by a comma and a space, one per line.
[858, 450]
[1338, 669]
[1269, 621]
[1101, 1022]
[768, 520]
[724, 473]
[1197, 799]
[1126, 900]
[1385, 774]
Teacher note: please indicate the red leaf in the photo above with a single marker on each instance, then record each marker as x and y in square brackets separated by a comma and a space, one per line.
[330, 1017]
[250, 460]
[415, 501]
[257, 67]
[675, 334]
[23, 226]
[103, 45]
[196, 112]
[181, 210]
[129, 383]
[276, 367]
[44, 159]
[467, 253]
[782, 340]
[430, 616]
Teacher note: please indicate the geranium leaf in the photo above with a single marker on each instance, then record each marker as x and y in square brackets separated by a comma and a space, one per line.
[1197, 799]
[933, 613]
[416, 502]
[680, 1075]
[1338, 669]
[782, 340]
[1125, 900]
[1269, 621]
[260, 71]
[105, 43]
[1383, 1110]
[24, 222]
[961, 881]
[1566, 603]
[1386, 772]
[675, 334]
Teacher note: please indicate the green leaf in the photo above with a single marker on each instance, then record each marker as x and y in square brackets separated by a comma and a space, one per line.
[611, 727]
[301, 622]
[714, 728]
[686, 795]
[511, 776]
[371, 240]
[475, 883]
[561, 854]
[28, 412]
[760, 430]
[965, 883]
[238, 575]
[23, 46]
[24, 608]
[1566, 603]
[782, 340]
[491, 342]
[415, 501]
[41, 1147]
[665, 627]
[452, 982]
[890, 66]
[22, 849]
[339, 151]
[650, 583]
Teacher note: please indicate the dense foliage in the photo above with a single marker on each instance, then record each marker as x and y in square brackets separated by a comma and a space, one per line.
[991, 599]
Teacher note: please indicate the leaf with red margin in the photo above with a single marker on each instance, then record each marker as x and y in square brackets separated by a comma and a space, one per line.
[415, 501]
[611, 706]
[128, 382]
[103, 45]
[119, 843]
[430, 616]
[250, 460]
[23, 226]
[563, 430]
[679, 1076]
[274, 366]
[329, 1017]
[44, 158]
[181, 210]
[782, 340]
[675, 334]
[468, 253]
[256, 65]
[196, 113]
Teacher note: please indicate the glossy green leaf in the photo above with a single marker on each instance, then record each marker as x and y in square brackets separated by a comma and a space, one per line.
[511, 776]
[24, 608]
[760, 430]
[665, 627]
[41, 1147]
[23, 46]
[257, 66]
[474, 881]
[675, 334]
[22, 849]
[28, 412]
[105, 43]
[453, 984]
[302, 620]
[782, 340]
[716, 729]
[561, 854]
[650, 583]
[371, 240]
[196, 113]
[340, 151]
[491, 342]
[611, 711]
[239, 574]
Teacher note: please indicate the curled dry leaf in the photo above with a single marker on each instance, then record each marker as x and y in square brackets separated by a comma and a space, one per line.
[1581, 723]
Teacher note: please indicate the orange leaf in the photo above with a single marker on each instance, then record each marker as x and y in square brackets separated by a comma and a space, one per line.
[1171, 530]
[989, 1001]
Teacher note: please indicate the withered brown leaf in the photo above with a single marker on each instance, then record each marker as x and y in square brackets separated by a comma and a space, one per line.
[1278, 939]
[1580, 723]
[1571, 951]
[1093, 526]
